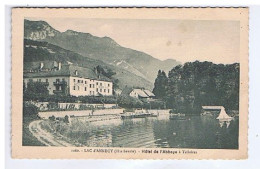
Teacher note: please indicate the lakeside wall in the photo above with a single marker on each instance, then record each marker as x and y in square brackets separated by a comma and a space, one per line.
[79, 113]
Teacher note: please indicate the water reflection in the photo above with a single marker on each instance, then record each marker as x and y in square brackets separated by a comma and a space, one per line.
[197, 132]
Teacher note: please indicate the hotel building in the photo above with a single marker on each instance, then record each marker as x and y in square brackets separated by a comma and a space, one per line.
[68, 79]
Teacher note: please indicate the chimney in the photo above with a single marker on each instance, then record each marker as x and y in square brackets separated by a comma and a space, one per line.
[41, 65]
[59, 66]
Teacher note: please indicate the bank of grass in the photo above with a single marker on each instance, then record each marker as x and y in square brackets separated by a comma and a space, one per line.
[29, 115]
[70, 133]
[28, 138]
[76, 133]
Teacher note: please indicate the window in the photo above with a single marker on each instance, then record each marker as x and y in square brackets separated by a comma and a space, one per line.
[105, 90]
[93, 86]
[74, 80]
[40, 80]
[100, 90]
[47, 80]
[90, 85]
[78, 81]
[85, 88]
[100, 84]
[74, 87]
[85, 82]
[97, 83]
[76, 72]
[63, 79]
[78, 88]
[97, 89]
[108, 84]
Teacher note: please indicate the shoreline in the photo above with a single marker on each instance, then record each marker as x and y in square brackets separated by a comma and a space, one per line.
[48, 138]
[78, 133]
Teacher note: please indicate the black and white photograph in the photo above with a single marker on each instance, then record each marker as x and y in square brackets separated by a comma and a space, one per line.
[131, 83]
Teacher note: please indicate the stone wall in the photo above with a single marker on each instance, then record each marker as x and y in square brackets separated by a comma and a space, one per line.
[79, 113]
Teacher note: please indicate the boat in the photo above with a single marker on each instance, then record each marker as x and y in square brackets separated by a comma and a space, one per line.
[178, 116]
[138, 113]
[206, 113]
[224, 118]
[133, 116]
[153, 114]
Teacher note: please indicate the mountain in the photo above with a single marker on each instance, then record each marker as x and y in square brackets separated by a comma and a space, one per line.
[37, 30]
[35, 51]
[100, 48]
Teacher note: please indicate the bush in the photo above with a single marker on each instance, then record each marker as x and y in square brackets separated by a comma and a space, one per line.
[154, 104]
[30, 111]
[66, 119]
[35, 90]
[52, 118]
[129, 102]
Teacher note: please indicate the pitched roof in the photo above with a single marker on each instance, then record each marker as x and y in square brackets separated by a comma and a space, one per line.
[36, 65]
[149, 93]
[140, 92]
[212, 107]
[66, 70]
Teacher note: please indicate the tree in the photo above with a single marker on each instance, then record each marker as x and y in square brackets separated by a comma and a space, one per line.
[199, 83]
[129, 102]
[30, 111]
[109, 73]
[115, 84]
[106, 72]
[160, 84]
[35, 90]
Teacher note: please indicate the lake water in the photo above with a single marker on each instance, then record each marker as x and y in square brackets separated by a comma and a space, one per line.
[201, 132]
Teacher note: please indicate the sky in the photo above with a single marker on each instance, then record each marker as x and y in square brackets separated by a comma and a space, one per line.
[182, 40]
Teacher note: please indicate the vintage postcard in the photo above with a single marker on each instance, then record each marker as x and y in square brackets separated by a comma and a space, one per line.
[129, 83]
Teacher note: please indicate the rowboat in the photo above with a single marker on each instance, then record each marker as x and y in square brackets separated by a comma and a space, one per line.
[138, 113]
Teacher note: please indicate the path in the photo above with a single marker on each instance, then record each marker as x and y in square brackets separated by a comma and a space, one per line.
[45, 137]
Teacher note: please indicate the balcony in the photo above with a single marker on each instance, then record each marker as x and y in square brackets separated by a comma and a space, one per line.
[60, 83]
[45, 83]
[58, 92]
